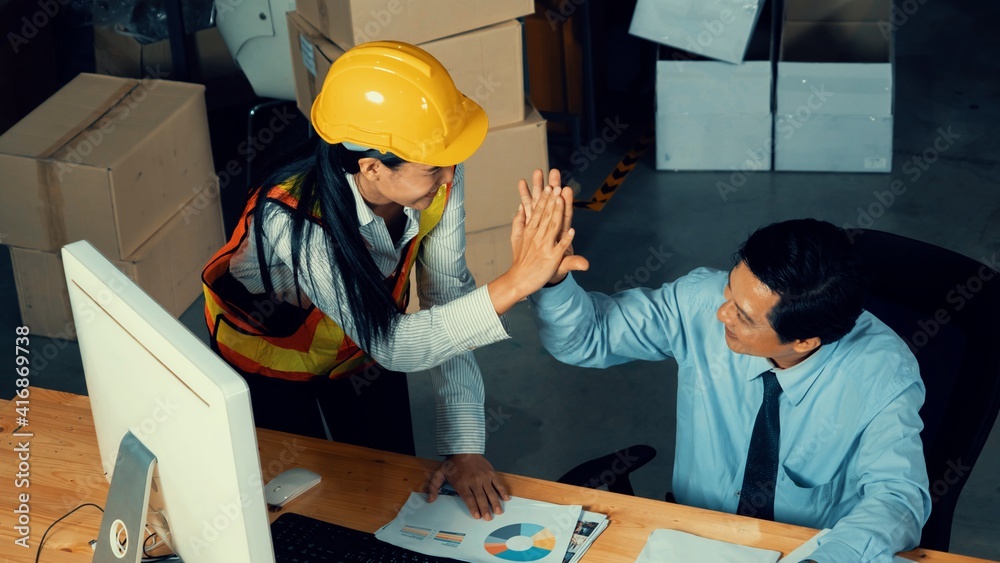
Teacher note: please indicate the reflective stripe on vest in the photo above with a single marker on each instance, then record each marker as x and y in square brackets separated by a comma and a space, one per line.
[268, 336]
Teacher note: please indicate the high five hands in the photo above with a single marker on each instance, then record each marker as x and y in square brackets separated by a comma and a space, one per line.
[531, 198]
[541, 237]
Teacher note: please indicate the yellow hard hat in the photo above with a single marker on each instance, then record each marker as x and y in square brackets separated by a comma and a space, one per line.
[396, 97]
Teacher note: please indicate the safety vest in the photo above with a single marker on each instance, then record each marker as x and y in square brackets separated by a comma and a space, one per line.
[262, 334]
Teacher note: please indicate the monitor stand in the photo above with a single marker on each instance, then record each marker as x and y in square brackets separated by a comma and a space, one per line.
[123, 526]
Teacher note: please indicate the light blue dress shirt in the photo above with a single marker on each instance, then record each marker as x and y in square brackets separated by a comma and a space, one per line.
[850, 456]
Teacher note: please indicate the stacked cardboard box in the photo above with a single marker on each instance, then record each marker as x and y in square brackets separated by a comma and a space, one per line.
[117, 54]
[828, 107]
[353, 22]
[715, 29]
[713, 82]
[480, 44]
[835, 87]
[124, 164]
[715, 115]
[485, 64]
[211, 64]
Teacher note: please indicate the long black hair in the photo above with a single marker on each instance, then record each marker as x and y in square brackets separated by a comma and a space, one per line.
[817, 274]
[316, 174]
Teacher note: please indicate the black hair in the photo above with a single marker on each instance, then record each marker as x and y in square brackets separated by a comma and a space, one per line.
[317, 173]
[816, 273]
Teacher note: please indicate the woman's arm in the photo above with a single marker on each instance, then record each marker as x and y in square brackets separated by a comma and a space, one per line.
[428, 338]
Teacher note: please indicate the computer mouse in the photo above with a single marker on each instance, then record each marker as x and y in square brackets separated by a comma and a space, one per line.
[289, 484]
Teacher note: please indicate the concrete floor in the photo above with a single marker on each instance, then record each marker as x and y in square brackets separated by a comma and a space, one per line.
[547, 417]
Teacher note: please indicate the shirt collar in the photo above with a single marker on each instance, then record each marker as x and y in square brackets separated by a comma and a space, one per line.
[367, 216]
[798, 379]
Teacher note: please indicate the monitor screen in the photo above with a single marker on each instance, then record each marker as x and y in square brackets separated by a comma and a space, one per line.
[149, 375]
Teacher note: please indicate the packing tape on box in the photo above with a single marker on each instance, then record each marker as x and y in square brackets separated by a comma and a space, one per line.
[53, 160]
[49, 176]
[617, 176]
[62, 143]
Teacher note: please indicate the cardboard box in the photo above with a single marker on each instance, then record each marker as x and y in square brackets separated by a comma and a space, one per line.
[486, 65]
[509, 153]
[168, 267]
[488, 254]
[714, 142]
[835, 91]
[554, 57]
[117, 54]
[352, 22]
[713, 115]
[210, 63]
[106, 159]
[717, 29]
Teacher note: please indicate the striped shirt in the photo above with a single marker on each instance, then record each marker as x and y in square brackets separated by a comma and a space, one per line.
[455, 316]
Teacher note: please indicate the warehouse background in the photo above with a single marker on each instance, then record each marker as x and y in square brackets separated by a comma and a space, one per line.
[595, 84]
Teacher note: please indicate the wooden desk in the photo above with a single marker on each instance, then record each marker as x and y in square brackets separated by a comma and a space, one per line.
[361, 488]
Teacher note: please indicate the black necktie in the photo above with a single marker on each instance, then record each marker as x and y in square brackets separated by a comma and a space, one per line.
[757, 495]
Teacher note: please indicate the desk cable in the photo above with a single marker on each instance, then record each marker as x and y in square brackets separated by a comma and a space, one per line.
[38, 554]
[147, 559]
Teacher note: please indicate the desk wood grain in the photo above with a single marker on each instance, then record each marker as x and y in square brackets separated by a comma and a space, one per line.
[361, 489]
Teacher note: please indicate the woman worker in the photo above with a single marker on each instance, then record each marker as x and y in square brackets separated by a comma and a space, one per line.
[306, 299]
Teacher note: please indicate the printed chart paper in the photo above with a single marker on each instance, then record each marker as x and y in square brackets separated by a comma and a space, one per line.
[527, 531]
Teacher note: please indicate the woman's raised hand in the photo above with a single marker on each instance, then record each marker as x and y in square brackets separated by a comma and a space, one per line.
[529, 200]
[541, 237]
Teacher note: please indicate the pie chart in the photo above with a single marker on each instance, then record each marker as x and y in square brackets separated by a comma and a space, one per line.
[520, 542]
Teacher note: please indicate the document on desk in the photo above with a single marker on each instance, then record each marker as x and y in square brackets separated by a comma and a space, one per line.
[674, 545]
[590, 525]
[805, 550]
[526, 531]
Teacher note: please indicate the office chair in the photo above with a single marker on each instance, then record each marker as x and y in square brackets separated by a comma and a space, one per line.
[612, 470]
[945, 306]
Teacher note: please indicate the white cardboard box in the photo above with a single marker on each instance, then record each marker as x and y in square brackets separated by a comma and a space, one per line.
[835, 89]
[717, 29]
[713, 141]
[713, 115]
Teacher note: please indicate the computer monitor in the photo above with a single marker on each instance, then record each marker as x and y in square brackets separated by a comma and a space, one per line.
[155, 387]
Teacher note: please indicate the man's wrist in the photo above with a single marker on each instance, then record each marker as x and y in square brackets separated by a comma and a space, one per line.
[555, 283]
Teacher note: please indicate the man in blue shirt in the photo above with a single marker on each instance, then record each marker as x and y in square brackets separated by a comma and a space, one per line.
[793, 403]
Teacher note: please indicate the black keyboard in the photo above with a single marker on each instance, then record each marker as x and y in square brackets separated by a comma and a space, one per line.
[301, 539]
